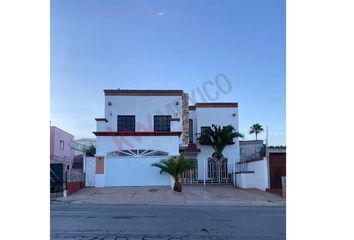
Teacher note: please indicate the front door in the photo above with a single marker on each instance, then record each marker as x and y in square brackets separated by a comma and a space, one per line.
[277, 169]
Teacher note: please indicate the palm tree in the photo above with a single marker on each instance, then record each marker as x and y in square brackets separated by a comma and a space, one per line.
[256, 129]
[175, 166]
[219, 138]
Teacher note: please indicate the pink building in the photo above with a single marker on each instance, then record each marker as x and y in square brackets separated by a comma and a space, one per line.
[61, 146]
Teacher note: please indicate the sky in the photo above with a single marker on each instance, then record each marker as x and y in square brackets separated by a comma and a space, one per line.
[216, 51]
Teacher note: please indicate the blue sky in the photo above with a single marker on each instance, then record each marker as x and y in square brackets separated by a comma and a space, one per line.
[98, 45]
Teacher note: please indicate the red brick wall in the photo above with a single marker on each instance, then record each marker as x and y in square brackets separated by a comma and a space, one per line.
[73, 187]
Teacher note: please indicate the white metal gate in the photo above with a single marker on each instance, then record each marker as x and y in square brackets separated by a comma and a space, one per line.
[217, 171]
[90, 171]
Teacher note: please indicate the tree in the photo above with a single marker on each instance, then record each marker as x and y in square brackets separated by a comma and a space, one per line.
[89, 150]
[256, 129]
[219, 138]
[262, 151]
[175, 166]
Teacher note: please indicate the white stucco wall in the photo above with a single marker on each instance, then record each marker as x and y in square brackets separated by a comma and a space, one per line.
[106, 144]
[99, 180]
[258, 179]
[219, 116]
[144, 108]
[245, 180]
[261, 176]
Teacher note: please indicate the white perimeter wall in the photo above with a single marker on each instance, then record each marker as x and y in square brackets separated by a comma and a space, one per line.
[144, 108]
[261, 175]
[259, 179]
[245, 180]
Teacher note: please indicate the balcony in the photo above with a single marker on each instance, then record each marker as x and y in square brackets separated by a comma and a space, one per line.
[101, 124]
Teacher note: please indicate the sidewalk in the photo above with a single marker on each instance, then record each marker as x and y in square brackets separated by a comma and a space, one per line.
[191, 195]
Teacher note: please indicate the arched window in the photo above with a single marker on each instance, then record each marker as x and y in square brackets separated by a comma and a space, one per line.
[138, 153]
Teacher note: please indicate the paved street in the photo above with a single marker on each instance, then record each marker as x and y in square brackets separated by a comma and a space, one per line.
[89, 221]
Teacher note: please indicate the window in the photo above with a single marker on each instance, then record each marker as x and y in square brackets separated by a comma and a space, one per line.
[61, 145]
[203, 139]
[138, 153]
[190, 131]
[126, 123]
[203, 129]
[162, 123]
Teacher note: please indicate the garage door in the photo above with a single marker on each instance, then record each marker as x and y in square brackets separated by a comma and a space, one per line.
[134, 171]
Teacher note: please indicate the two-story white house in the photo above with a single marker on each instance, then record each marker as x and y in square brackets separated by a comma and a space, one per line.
[141, 127]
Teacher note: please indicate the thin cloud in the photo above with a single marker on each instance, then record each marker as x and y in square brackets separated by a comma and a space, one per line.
[161, 13]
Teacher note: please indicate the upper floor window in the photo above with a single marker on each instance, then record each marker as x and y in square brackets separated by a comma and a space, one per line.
[203, 129]
[126, 123]
[162, 123]
[190, 130]
[61, 145]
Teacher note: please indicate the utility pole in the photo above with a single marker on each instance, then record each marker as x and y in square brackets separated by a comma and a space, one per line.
[267, 156]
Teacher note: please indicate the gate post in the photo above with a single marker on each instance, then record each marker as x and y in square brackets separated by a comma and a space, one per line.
[204, 172]
[218, 164]
[234, 173]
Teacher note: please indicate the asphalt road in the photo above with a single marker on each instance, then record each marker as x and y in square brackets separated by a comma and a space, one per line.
[87, 221]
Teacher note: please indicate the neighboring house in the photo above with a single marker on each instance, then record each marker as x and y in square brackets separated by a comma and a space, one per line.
[141, 127]
[251, 149]
[61, 150]
[65, 170]
[81, 143]
[79, 146]
[277, 168]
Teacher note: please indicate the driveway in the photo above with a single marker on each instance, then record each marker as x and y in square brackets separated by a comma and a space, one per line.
[191, 195]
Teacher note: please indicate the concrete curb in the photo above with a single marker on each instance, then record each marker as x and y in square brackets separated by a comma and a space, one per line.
[229, 204]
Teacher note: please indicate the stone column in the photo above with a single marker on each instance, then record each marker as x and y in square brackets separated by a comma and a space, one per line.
[185, 119]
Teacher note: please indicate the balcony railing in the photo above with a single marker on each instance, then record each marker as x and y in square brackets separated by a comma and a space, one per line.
[101, 126]
[241, 167]
[250, 156]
